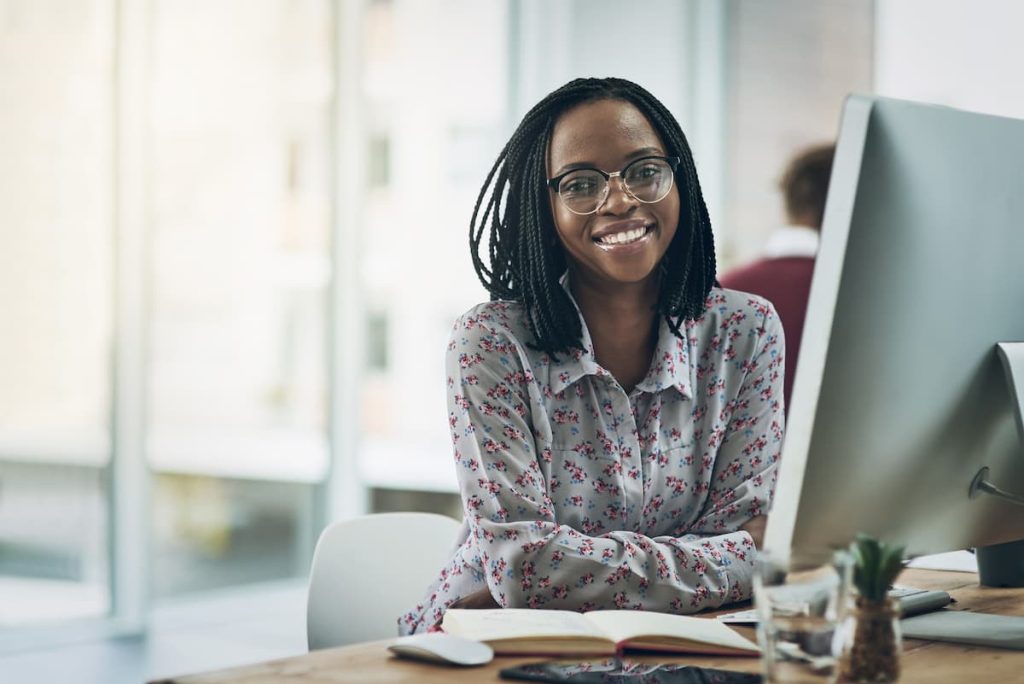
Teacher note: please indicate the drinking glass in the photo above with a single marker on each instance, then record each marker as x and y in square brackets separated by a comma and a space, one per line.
[800, 614]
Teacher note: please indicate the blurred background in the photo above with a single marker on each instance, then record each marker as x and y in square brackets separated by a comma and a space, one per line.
[233, 239]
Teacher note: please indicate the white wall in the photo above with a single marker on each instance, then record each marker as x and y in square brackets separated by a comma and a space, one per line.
[967, 55]
[559, 41]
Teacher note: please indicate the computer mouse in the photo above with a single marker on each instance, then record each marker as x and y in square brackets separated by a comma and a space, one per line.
[438, 647]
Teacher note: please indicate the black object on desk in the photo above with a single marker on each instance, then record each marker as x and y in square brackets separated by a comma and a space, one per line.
[624, 671]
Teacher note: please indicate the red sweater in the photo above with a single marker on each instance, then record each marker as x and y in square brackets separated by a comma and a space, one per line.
[786, 283]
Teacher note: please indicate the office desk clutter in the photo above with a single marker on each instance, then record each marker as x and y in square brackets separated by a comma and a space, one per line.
[923, 661]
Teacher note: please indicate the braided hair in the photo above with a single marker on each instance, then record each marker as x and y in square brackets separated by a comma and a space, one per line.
[524, 258]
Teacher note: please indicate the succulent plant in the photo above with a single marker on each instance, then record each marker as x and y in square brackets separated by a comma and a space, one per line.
[874, 655]
[875, 566]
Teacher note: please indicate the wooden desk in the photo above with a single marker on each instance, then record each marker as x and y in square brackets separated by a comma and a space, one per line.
[923, 661]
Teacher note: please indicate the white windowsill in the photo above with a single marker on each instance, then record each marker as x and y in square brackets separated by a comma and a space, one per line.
[395, 464]
[277, 454]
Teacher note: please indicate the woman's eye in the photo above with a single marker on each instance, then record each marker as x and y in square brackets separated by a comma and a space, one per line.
[579, 186]
[646, 171]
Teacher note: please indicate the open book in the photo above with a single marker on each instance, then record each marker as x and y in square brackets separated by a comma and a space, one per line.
[524, 631]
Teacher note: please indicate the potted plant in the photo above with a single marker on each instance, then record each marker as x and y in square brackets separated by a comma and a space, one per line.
[873, 653]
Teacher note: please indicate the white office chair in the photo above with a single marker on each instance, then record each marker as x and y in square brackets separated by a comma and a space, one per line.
[369, 570]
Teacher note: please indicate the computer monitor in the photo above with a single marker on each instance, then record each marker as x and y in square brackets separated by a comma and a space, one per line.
[900, 397]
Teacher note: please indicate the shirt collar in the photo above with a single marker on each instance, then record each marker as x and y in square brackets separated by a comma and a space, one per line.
[669, 367]
[792, 241]
[575, 363]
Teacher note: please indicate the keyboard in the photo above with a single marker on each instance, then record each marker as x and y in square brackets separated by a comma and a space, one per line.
[913, 601]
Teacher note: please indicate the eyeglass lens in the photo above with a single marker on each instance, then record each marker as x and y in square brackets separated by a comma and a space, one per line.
[648, 180]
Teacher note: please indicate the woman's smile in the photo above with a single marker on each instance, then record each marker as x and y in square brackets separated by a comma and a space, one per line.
[624, 237]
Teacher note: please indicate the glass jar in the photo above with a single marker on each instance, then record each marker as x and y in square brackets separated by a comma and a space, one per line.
[873, 641]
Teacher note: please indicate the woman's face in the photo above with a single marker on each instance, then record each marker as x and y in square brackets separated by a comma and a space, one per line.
[608, 135]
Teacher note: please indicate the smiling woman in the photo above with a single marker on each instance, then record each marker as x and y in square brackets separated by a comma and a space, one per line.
[614, 249]
[616, 418]
[630, 234]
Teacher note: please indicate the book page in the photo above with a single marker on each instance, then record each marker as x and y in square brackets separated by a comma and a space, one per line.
[623, 625]
[517, 623]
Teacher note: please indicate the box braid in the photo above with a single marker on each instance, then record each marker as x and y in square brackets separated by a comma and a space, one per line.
[525, 257]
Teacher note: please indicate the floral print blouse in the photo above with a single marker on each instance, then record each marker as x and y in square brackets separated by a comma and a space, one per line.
[580, 496]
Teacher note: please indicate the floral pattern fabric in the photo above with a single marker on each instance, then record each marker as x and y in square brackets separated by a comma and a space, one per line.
[580, 496]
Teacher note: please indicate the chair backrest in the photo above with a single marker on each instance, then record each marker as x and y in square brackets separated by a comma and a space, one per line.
[368, 570]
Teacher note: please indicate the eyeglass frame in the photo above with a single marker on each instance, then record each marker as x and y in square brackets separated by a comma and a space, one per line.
[673, 163]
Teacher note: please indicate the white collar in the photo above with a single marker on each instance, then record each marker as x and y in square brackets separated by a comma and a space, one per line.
[792, 241]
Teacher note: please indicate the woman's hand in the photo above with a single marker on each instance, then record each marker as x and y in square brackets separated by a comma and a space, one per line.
[476, 600]
[755, 528]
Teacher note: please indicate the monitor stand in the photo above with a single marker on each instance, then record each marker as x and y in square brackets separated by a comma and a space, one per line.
[1002, 565]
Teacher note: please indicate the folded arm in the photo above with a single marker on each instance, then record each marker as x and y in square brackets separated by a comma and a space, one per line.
[530, 559]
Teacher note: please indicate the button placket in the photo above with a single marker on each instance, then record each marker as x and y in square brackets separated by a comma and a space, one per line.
[630, 456]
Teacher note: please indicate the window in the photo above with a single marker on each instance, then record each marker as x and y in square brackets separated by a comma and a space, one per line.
[56, 247]
[240, 119]
[440, 137]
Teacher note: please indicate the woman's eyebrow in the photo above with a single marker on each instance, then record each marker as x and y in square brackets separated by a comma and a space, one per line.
[644, 152]
[635, 154]
[572, 166]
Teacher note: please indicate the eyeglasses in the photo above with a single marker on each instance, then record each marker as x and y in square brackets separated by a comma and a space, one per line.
[646, 180]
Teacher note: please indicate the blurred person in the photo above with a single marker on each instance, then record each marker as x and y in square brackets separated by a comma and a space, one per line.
[616, 419]
[782, 274]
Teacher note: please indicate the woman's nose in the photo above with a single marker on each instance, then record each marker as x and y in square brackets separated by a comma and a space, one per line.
[619, 200]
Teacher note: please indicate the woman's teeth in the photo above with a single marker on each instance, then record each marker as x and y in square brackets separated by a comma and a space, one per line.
[623, 238]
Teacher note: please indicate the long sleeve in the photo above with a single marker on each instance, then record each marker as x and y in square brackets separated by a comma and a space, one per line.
[749, 435]
[530, 557]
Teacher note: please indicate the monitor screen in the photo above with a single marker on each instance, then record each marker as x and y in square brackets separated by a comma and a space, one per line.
[900, 397]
